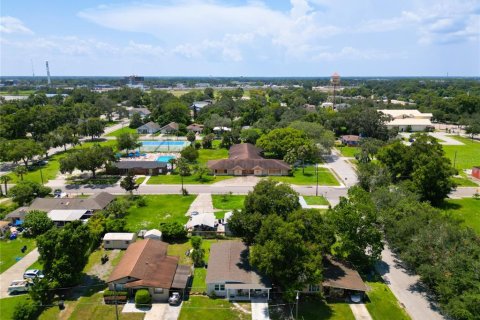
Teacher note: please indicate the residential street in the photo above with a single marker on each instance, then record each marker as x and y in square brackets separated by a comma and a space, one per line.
[406, 288]
[16, 271]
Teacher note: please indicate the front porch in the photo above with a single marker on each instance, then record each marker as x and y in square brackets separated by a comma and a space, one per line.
[246, 292]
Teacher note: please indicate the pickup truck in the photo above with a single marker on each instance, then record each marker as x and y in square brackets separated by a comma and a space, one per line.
[19, 286]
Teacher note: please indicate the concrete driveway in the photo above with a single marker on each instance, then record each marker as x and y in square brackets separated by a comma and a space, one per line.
[16, 271]
[260, 309]
[360, 311]
[158, 311]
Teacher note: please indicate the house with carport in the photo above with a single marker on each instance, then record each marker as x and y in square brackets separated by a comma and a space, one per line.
[230, 275]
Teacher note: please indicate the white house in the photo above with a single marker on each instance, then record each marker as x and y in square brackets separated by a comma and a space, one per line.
[62, 217]
[408, 119]
[118, 240]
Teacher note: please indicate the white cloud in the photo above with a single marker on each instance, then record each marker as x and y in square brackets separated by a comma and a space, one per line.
[11, 25]
[350, 53]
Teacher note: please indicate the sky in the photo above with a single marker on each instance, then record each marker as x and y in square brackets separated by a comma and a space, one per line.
[311, 38]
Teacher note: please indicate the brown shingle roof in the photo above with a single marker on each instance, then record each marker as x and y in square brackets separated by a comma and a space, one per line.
[228, 262]
[95, 202]
[246, 156]
[338, 274]
[181, 277]
[146, 261]
[351, 137]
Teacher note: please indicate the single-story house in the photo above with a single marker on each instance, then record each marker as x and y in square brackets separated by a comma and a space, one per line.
[200, 104]
[310, 107]
[327, 105]
[153, 234]
[245, 159]
[197, 128]
[143, 112]
[350, 140]
[342, 106]
[202, 222]
[151, 168]
[170, 128]
[18, 214]
[63, 216]
[476, 172]
[221, 129]
[408, 120]
[230, 275]
[149, 128]
[146, 265]
[93, 203]
[118, 240]
[340, 280]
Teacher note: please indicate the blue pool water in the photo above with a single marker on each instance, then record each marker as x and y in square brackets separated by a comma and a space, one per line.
[164, 158]
[164, 143]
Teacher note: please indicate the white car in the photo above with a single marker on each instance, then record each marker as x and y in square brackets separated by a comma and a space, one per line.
[33, 273]
[174, 299]
[19, 286]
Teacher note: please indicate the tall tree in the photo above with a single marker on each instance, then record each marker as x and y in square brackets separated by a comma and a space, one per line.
[183, 169]
[25, 191]
[128, 183]
[4, 179]
[37, 223]
[88, 159]
[127, 141]
[279, 141]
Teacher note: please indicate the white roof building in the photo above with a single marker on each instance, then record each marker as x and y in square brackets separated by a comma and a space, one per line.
[66, 215]
[202, 219]
[153, 234]
[408, 119]
[122, 236]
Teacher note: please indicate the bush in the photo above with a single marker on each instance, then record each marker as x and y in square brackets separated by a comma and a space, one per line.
[143, 298]
[111, 293]
[141, 202]
[190, 153]
[173, 231]
[26, 311]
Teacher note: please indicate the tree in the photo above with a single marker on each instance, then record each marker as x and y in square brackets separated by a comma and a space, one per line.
[88, 159]
[128, 183]
[25, 150]
[354, 219]
[20, 171]
[191, 136]
[37, 223]
[183, 168]
[229, 138]
[279, 141]
[5, 178]
[127, 141]
[372, 176]
[135, 121]
[291, 157]
[173, 231]
[198, 253]
[209, 93]
[307, 152]
[369, 147]
[201, 171]
[64, 135]
[93, 127]
[107, 106]
[25, 191]
[473, 128]
[42, 292]
[207, 141]
[250, 135]
[26, 311]
[189, 153]
[64, 253]
[323, 138]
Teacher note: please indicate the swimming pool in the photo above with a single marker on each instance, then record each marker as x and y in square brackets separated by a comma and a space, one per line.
[165, 158]
[165, 143]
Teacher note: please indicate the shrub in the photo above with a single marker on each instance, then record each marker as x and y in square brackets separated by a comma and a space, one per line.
[111, 293]
[190, 153]
[26, 311]
[173, 231]
[141, 202]
[143, 298]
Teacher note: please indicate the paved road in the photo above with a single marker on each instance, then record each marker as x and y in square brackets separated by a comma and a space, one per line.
[360, 311]
[16, 271]
[342, 167]
[406, 288]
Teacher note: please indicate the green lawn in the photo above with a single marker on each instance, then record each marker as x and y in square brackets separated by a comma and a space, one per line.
[228, 202]
[211, 154]
[174, 178]
[118, 132]
[314, 200]
[467, 210]
[52, 168]
[204, 308]
[311, 308]
[93, 308]
[140, 180]
[10, 251]
[464, 182]
[159, 208]
[468, 155]
[198, 284]
[325, 177]
[7, 305]
[348, 151]
[383, 304]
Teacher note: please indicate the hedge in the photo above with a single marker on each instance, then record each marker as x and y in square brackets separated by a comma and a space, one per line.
[111, 293]
[143, 298]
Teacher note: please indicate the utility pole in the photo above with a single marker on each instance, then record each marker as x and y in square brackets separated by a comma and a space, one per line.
[316, 172]
[116, 304]
[296, 311]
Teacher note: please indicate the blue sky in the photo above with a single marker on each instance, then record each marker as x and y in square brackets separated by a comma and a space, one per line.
[241, 38]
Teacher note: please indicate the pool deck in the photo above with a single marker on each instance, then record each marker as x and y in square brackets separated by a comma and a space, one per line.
[150, 156]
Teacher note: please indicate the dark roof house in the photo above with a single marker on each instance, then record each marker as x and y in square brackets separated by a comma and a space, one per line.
[148, 128]
[169, 128]
[246, 159]
[95, 202]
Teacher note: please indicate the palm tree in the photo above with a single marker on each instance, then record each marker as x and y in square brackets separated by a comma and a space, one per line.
[20, 171]
[5, 180]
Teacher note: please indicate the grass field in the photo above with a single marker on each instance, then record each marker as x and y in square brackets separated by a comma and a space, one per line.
[118, 132]
[464, 182]
[10, 251]
[52, 168]
[228, 202]
[159, 208]
[383, 304]
[174, 178]
[211, 154]
[311, 308]
[7, 305]
[467, 210]
[204, 308]
[348, 151]
[139, 180]
[467, 155]
[325, 177]
[314, 200]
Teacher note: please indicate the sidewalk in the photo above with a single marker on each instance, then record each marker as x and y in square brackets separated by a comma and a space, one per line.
[16, 271]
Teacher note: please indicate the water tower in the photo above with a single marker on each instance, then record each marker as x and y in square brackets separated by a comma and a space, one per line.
[335, 80]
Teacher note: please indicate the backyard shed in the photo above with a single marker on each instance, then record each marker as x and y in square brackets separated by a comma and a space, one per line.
[153, 234]
[118, 240]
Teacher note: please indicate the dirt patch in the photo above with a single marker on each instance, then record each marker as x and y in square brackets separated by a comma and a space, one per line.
[102, 271]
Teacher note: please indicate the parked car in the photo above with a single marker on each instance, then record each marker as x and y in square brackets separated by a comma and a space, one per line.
[174, 299]
[57, 193]
[19, 286]
[33, 273]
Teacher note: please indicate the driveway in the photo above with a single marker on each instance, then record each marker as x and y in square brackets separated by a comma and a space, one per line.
[202, 203]
[16, 271]
[445, 138]
[407, 288]
[158, 311]
[260, 309]
[360, 311]
[343, 168]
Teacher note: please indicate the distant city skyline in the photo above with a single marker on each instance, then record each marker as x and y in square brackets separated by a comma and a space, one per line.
[296, 38]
